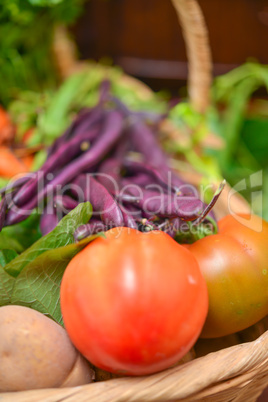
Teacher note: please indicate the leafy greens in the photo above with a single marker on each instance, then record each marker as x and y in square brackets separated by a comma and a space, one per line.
[33, 277]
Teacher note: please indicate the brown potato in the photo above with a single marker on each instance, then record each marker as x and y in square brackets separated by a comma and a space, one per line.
[36, 352]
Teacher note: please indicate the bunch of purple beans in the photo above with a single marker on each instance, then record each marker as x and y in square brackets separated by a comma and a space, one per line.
[110, 157]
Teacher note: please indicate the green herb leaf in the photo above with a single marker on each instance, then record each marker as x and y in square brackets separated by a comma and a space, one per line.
[44, 3]
[61, 236]
[3, 182]
[9, 243]
[38, 285]
[33, 278]
[57, 117]
[6, 287]
[6, 256]
[25, 233]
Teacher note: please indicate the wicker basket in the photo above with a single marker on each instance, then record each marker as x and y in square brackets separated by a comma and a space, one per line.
[229, 373]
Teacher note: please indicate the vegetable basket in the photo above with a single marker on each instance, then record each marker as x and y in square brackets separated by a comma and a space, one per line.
[234, 368]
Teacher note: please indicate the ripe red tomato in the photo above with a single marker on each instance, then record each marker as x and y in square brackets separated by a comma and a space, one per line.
[234, 263]
[132, 302]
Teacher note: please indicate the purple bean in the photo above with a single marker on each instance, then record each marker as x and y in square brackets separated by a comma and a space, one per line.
[97, 226]
[136, 211]
[123, 147]
[64, 202]
[129, 221]
[88, 122]
[166, 177]
[48, 222]
[104, 142]
[187, 208]
[93, 227]
[155, 174]
[17, 215]
[60, 140]
[104, 91]
[3, 209]
[15, 184]
[147, 115]
[143, 140]
[27, 191]
[61, 157]
[168, 205]
[83, 121]
[101, 200]
[109, 174]
[140, 179]
[140, 206]
[126, 198]
[120, 105]
[132, 210]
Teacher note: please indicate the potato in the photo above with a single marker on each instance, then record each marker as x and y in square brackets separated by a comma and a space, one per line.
[36, 352]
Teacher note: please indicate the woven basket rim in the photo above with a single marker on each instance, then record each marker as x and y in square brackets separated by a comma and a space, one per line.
[216, 369]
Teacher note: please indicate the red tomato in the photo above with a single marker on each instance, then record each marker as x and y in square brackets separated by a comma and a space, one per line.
[234, 263]
[133, 303]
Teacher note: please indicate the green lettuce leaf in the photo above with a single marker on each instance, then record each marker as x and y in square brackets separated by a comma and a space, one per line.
[9, 243]
[33, 278]
[6, 281]
[61, 236]
[6, 287]
[24, 233]
[38, 285]
[6, 256]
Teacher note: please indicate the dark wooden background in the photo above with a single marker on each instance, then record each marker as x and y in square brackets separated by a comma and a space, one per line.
[144, 37]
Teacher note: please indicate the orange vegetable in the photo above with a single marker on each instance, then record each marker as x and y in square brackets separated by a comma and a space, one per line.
[28, 161]
[4, 118]
[27, 135]
[7, 130]
[9, 164]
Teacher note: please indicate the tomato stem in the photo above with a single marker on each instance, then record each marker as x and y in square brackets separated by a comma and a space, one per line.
[196, 232]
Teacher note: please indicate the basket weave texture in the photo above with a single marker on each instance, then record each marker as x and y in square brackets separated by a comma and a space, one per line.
[238, 373]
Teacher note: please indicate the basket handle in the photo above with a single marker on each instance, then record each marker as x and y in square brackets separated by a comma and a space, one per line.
[198, 52]
[197, 46]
